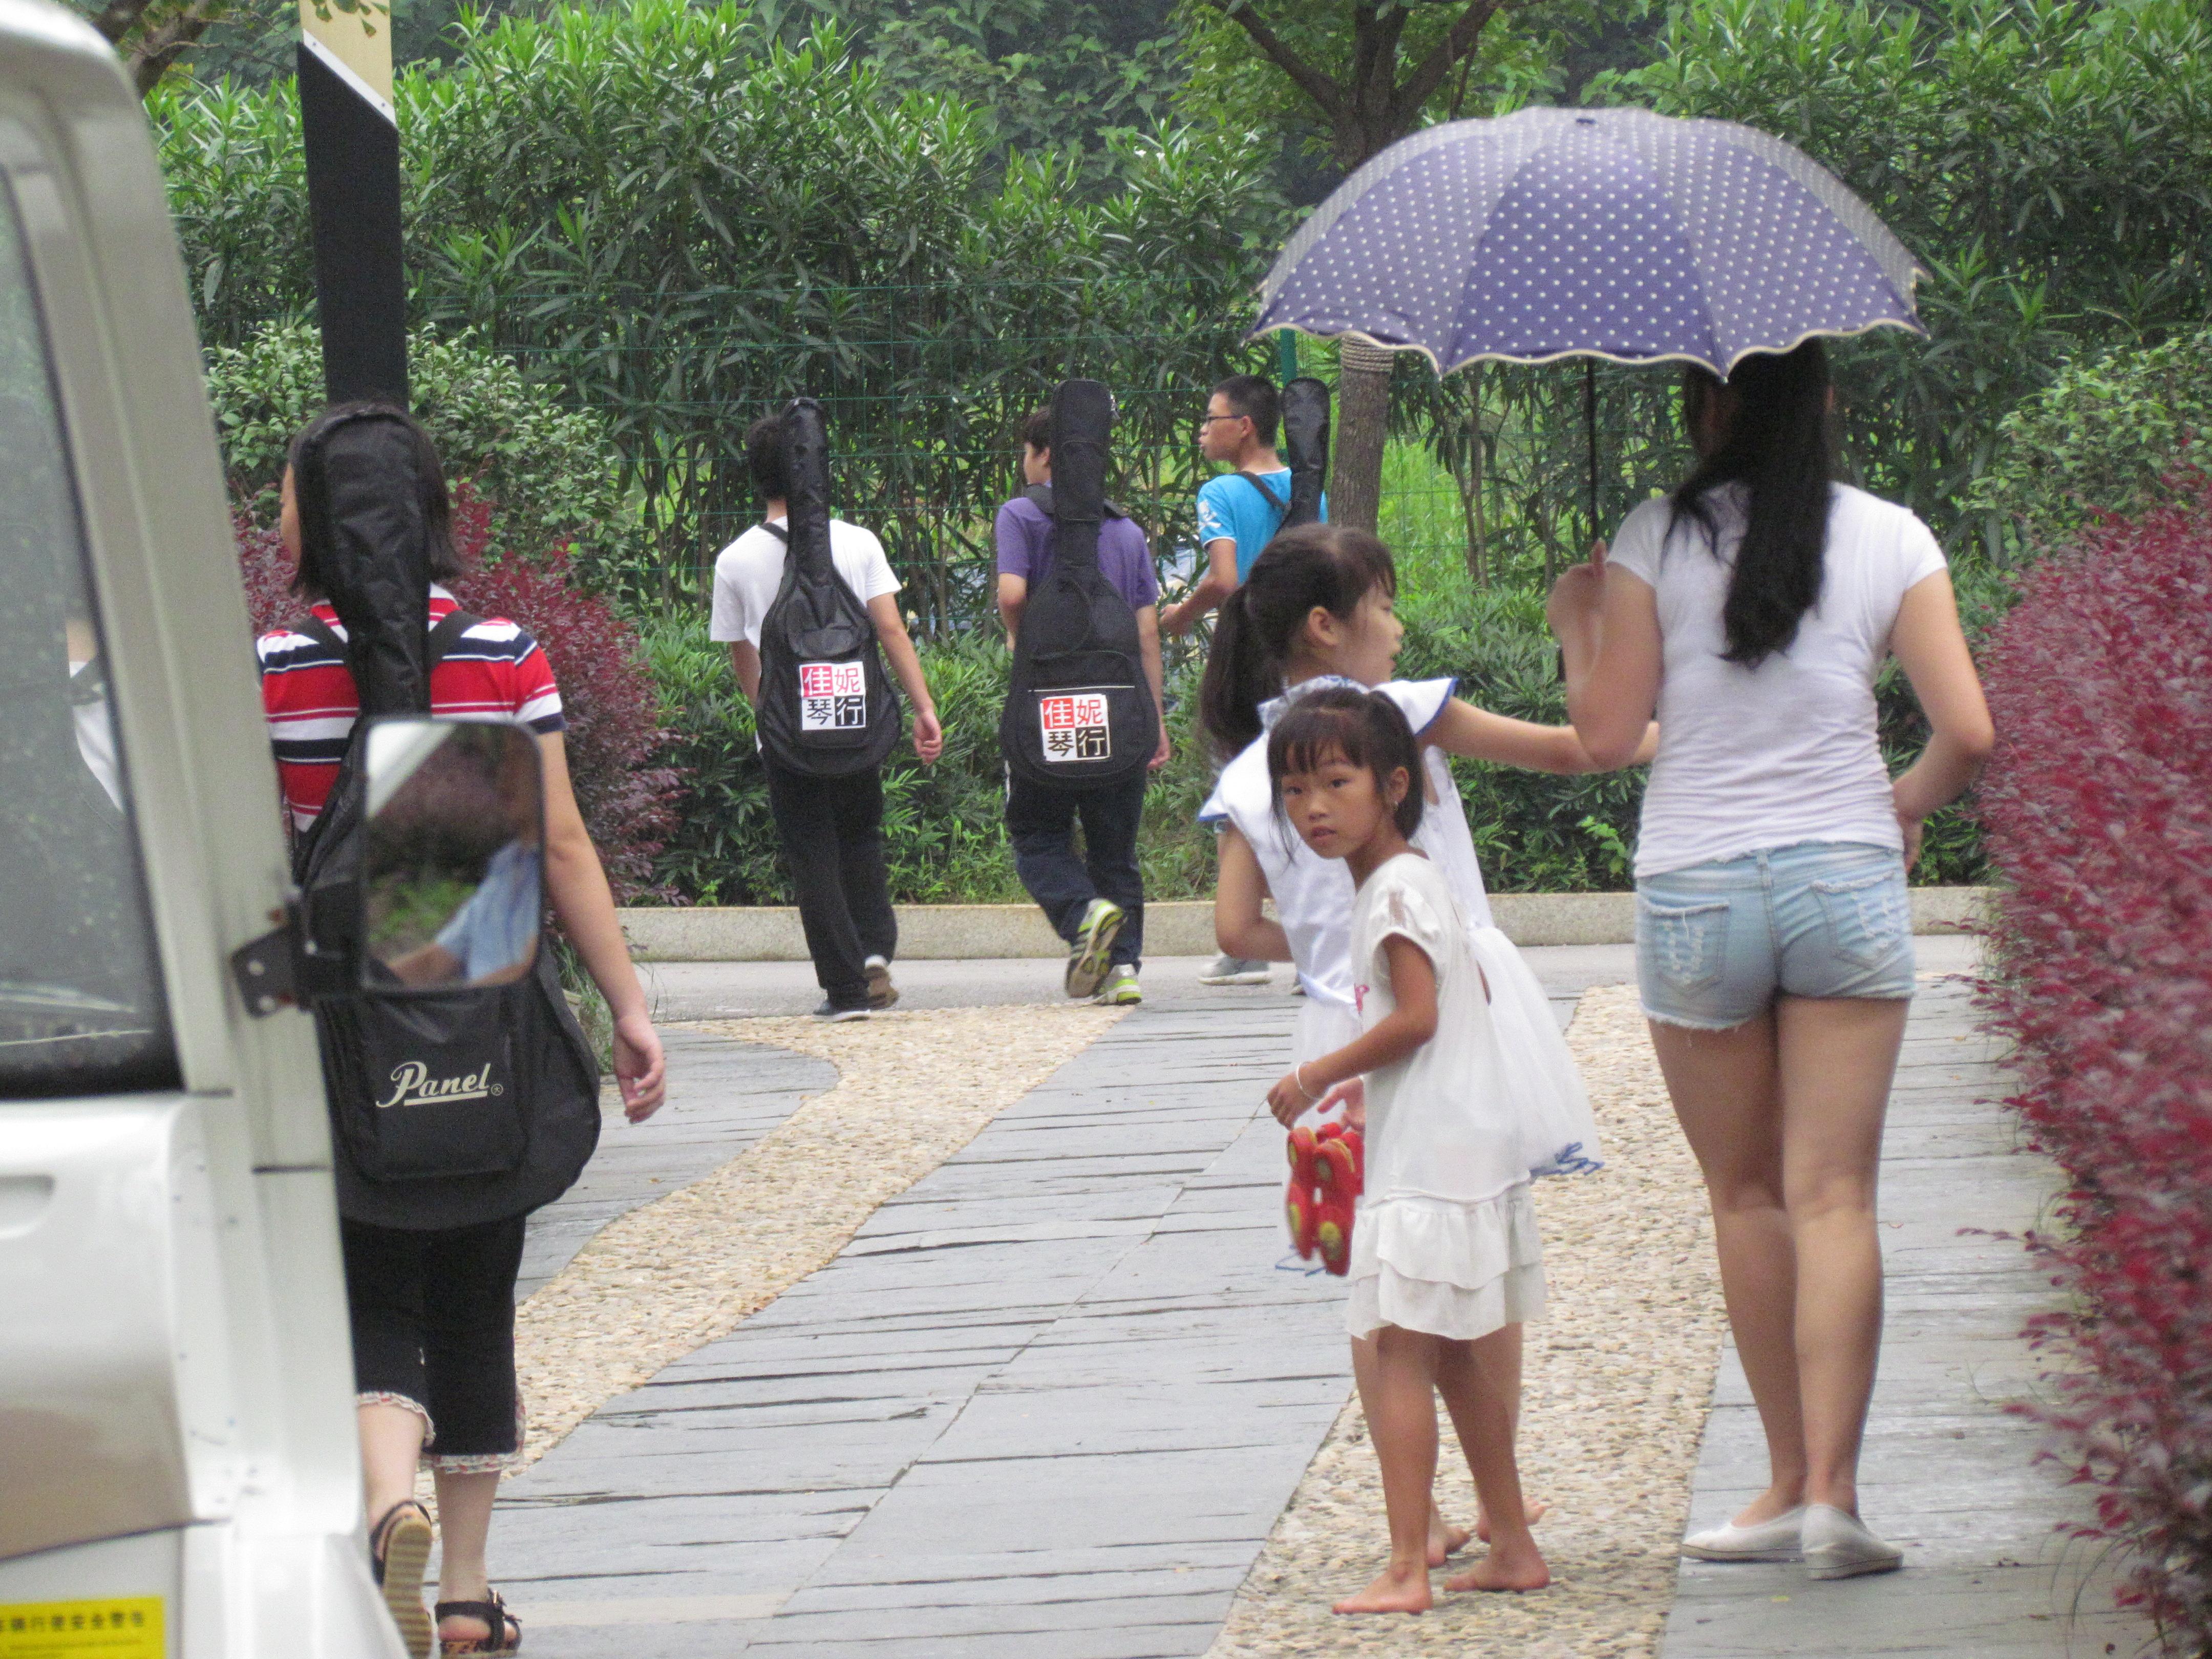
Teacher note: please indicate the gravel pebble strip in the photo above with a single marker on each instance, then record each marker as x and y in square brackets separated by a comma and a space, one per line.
[665, 1280]
[1618, 1379]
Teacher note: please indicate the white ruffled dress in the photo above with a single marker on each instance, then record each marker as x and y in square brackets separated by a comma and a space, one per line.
[1314, 900]
[1446, 1240]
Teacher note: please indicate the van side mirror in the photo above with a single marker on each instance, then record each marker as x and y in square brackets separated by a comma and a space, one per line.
[452, 877]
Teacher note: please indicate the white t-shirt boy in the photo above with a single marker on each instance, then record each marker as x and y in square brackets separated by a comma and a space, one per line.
[749, 570]
[1785, 752]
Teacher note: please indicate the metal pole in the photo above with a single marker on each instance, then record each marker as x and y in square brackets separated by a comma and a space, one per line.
[352, 136]
[1286, 355]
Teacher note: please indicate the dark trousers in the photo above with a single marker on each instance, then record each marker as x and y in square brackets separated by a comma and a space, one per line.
[433, 1316]
[832, 830]
[1041, 824]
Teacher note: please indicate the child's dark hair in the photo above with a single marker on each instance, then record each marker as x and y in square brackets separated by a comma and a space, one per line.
[435, 504]
[1316, 564]
[1365, 727]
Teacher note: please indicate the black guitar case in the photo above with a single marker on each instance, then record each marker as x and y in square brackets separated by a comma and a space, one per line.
[827, 707]
[411, 1154]
[1079, 712]
[1305, 447]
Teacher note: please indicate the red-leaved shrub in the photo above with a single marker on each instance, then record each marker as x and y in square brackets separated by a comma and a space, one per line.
[606, 690]
[2099, 810]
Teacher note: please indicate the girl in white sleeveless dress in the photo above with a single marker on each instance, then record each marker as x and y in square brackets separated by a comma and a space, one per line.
[1445, 1260]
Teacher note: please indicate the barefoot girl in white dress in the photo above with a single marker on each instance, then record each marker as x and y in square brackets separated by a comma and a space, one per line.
[1317, 610]
[1446, 1261]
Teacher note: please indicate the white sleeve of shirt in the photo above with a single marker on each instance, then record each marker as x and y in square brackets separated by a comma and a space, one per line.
[1636, 547]
[864, 558]
[727, 623]
[1918, 553]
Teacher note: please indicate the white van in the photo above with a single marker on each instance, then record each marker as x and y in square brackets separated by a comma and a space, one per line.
[179, 1470]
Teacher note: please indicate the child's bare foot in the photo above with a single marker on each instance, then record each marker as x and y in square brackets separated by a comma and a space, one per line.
[1533, 1509]
[1395, 1589]
[1506, 1569]
[1445, 1540]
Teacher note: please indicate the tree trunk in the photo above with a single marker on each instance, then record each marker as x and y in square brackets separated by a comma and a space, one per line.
[1363, 423]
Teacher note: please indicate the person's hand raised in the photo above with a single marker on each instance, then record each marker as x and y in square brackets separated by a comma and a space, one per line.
[1578, 596]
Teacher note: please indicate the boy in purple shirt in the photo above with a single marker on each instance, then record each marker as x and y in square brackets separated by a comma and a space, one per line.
[1096, 901]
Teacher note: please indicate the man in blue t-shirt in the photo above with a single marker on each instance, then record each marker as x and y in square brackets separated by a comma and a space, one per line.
[1238, 512]
[1238, 515]
[1095, 902]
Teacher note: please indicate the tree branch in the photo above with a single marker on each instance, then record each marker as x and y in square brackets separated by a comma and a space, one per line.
[116, 18]
[161, 45]
[1459, 40]
[1324, 92]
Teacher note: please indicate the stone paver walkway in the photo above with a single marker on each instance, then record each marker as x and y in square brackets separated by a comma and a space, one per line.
[1947, 1473]
[722, 1097]
[1043, 1403]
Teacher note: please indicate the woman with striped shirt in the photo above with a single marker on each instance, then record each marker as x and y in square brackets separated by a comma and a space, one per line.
[432, 1309]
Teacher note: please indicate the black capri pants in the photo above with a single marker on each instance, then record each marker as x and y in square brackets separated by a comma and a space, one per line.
[433, 1316]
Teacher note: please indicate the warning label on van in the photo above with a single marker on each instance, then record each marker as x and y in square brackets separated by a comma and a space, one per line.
[1075, 726]
[125, 1627]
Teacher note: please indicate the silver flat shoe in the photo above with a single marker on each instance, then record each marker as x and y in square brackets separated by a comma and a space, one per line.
[1763, 1541]
[1839, 1546]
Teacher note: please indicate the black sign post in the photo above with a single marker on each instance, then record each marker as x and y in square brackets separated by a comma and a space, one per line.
[351, 134]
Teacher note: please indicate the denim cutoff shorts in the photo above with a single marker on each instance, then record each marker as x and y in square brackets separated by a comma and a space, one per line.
[1718, 941]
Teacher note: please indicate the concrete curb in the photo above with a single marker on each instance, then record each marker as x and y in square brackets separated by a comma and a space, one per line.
[1183, 928]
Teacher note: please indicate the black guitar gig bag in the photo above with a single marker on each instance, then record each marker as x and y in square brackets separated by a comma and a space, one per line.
[827, 707]
[1305, 447]
[1079, 712]
[448, 1107]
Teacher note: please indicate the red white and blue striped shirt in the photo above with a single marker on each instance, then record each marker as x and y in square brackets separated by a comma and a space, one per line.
[308, 693]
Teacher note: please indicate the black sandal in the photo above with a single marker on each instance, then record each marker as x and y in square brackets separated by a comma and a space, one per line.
[503, 1631]
[398, 1555]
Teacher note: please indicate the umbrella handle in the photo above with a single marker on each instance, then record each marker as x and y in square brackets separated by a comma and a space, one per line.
[1589, 434]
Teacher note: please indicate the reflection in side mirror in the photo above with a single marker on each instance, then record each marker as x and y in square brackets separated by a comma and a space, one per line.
[453, 880]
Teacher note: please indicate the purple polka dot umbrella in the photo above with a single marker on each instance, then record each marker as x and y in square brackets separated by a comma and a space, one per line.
[1606, 233]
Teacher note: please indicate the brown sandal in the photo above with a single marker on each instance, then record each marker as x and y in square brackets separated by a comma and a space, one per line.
[503, 1631]
[398, 1555]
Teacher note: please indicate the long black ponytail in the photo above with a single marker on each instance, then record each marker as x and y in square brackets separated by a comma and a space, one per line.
[1315, 564]
[1778, 447]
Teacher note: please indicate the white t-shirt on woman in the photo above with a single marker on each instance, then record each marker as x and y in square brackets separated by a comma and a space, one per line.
[1785, 752]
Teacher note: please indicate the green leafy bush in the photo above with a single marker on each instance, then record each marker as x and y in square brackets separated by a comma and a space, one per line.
[552, 472]
[2102, 438]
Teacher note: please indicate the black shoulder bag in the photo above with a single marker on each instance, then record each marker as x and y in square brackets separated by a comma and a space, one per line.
[448, 1108]
[1079, 711]
[827, 707]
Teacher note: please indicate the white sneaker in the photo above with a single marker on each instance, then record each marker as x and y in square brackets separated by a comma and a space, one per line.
[1234, 970]
[1838, 1545]
[1762, 1540]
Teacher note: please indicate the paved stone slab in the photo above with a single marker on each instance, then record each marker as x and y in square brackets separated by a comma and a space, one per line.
[1050, 1400]
[1946, 1474]
[722, 1097]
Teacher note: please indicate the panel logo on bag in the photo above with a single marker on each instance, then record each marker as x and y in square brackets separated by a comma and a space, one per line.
[413, 1086]
[833, 696]
[1075, 726]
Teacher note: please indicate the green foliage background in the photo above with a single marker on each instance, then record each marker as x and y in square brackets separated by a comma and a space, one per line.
[631, 228]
